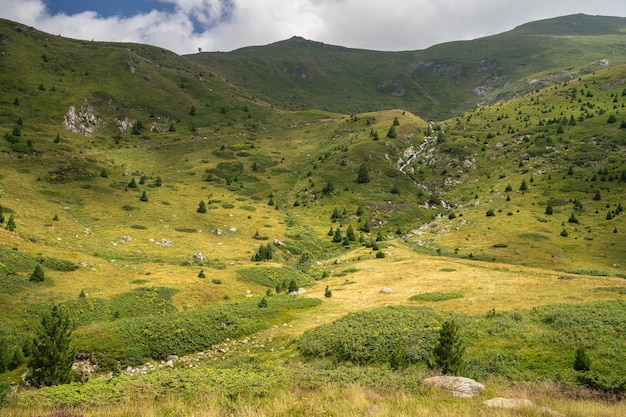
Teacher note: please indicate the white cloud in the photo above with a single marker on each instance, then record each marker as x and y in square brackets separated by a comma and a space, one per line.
[371, 24]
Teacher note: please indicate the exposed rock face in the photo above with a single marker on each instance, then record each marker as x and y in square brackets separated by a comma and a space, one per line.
[83, 123]
[459, 386]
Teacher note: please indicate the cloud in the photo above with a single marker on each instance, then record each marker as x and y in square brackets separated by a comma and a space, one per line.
[371, 24]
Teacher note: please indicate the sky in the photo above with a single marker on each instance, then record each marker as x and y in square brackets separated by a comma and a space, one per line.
[187, 26]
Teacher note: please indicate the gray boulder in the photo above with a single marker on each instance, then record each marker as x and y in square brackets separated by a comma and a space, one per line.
[459, 386]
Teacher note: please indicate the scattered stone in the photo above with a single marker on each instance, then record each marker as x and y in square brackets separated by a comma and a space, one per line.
[232, 229]
[171, 357]
[218, 232]
[125, 239]
[459, 386]
[198, 256]
[297, 293]
[386, 290]
[515, 403]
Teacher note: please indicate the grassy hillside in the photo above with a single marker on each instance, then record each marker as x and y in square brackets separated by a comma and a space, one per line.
[436, 83]
[173, 209]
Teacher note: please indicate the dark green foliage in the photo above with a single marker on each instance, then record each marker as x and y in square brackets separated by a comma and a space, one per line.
[609, 215]
[327, 292]
[391, 133]
[201, 207]
[380, 254]
[132, 183]
[523, 186]
[137, 128]
[570, 170]
[597, 196]
[192, 111]
[144, 196]
[263, 303]
[350, 234]
[490, 213]
[328, 188]
[398, 359]
[435, 296]
[573, 219]
[38, 275]
[11, 223]
[582, 361]
[450, 349]
[612, 119]
[362, 175]
[337, 236]
[265, 253]
[549, 209]
[201, 274]
[52, 356]
[293, 286]
[82, 294]
[158, 182]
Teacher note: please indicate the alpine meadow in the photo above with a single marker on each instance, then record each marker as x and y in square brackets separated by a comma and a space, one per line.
[302, 229]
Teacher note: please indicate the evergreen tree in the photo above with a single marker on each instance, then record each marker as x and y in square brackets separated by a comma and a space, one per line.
[201, 274]
[391, 133]
[263, 303]
[549, 209]
[573, 219]
[132, 183]
[144, 197]
[362, 175]
[1, 215]
[52, 356]
[293, 286]
[449, 349]
[523, 186]
[201, 207]
[192, 110]
[11, 223]
[508, 188]
[327, 292]
[337, 236]
[582, 361]
[350, 234]
[597, 196]
[38, 275]
[158, 182]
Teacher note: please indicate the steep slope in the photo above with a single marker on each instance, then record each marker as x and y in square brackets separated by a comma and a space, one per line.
[436, 83]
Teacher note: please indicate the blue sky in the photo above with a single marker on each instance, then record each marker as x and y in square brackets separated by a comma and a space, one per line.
[184, 26]
[107, 8]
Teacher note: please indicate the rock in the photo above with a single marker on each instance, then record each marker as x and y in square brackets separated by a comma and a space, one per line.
[171, 358]
[218, 232]
[232, 229]
[459, 386]
[198, 256]
[515, 403]
[386, 290]
[169, 364]
[299, 292]
[125, 239]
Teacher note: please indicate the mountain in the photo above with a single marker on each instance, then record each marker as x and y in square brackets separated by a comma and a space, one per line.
[207, 242]
[436, 83]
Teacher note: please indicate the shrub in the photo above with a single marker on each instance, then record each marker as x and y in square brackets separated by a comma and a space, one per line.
[38, 275]
[201, 207]
[144, 197]
[327, 292]
[573, 219]
[490, 213]
[549, 209]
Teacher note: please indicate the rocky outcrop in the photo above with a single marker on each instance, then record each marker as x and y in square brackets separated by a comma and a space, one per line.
[83, 122]
[459, 386]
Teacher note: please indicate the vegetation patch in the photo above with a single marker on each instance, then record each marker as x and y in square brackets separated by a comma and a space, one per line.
[537, 237]
[274, 277]
[435, 296]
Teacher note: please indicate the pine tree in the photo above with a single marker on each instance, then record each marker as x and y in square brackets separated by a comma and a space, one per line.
[350, 234]
[363, 175]
[201, 207]
[38, 275]
[11, 223]
[263, 303]
[549, 209]
[337, 237]
[449, 349]
[1, 215]
[132, 183]
[144, 197]
[327, 292]
[391, 133]
[52, 356]
[293, 286]
[582, 361]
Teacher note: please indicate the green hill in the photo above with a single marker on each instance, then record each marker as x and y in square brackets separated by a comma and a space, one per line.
[172, 207]
[436, 83]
